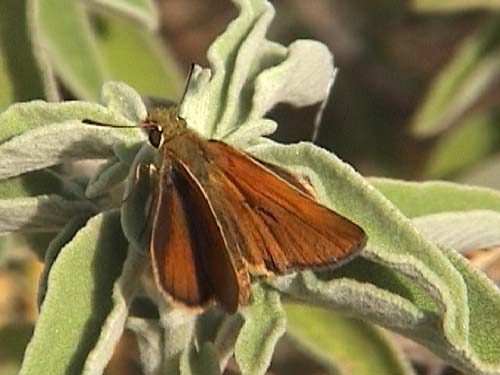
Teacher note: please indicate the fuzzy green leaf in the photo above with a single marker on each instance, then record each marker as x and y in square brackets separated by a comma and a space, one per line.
[78, 300]
[44, 213]
[418, 199]
[244, 135]
[21, 117]
[205, 101]
[227, 335]
[250, 74]
[109, 174]
[61, 142]
[55, 246]
[340, 187]
[416, 305]
[124, 290]
[345, 345]
[462, 230]
[303, 78]
[121, 98]
[43, 182]
[265, 323]
[178, 328]
[481, 355]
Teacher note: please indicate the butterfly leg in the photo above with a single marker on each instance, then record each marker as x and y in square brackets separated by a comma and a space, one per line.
[137, 203]
[151, 171]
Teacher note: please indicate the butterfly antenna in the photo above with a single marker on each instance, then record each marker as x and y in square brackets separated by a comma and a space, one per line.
[103, 124]
[321, 109]
[190, 75]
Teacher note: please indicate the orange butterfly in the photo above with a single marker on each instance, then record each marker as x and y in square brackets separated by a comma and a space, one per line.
[220, 215]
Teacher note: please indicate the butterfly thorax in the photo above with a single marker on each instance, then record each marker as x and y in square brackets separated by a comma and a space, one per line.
[166, 123]
[171, 135]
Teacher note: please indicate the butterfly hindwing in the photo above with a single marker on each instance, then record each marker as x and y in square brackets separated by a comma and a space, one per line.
[188, 251]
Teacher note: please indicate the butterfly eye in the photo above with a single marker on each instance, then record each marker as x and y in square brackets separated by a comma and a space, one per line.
[155, 136]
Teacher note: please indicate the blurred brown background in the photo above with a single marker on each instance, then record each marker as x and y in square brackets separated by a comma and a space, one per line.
[386, 54]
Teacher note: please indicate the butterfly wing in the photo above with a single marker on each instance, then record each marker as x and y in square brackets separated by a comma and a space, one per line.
[276, 226]
[188, 251]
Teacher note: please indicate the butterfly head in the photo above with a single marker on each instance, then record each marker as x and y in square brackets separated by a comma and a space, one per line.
[163, 124]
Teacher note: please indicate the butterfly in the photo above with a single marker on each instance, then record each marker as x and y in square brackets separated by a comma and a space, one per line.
[220, 215]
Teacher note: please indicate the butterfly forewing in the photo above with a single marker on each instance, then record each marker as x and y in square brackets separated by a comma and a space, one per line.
[277, 227]
[188, 250]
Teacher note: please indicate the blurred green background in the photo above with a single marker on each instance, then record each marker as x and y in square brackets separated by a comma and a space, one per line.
[416, 95]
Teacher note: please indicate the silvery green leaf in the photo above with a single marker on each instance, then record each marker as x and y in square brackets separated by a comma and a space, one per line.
[246, 133]
[461, 231]
[227, 335]
[483, 352]
[109, 174]
[361, 299]
[341, 188]
[237, 92]
[45, 181]
[178, 329]
[121, 98]
[44, 213]
[236, 58]
[21, 117]
[303, 78]
[124, 290]
[206, 101]
[424, 198]
[62, 238]
[417, 199]
[61, 142]
[248, 75]
[265, 323]
[80, 289]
